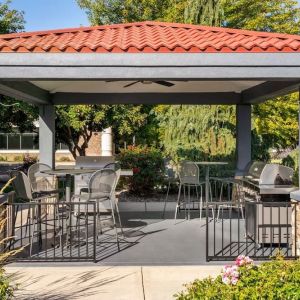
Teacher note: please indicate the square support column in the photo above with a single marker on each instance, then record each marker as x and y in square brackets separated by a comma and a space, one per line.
[47, 135]
[243, 137]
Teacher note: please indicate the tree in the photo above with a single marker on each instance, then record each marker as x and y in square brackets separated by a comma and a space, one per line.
[76, 124]
[11, 20]
[17, 115]
[122, 11]
[275, 120]
[204, 12]
[269, 15]
[197, 131]
[14, 114]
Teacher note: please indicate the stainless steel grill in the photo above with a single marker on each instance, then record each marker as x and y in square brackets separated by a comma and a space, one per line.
[267, 189]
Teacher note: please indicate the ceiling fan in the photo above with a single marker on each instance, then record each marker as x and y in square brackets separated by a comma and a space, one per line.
[161, 82]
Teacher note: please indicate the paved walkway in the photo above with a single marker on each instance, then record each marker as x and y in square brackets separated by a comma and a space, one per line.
[62, 281]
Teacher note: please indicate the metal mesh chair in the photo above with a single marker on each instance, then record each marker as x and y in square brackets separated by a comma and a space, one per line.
[235, 197]
[101, 189]
[42, 183]
[171, 177]
[189, 178]
[22, 188]
[117, 168]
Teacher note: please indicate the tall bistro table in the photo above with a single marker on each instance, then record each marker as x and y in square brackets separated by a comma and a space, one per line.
[68, 173]
[207, 164]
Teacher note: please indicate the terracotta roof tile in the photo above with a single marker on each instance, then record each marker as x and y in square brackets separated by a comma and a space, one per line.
[149, 37]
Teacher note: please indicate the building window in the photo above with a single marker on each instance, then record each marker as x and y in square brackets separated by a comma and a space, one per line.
[23, 141]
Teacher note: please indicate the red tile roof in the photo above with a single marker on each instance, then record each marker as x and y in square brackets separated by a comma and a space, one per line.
[149, 37]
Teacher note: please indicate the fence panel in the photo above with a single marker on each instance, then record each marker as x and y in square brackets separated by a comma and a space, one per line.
[259, 230]
[52, 231]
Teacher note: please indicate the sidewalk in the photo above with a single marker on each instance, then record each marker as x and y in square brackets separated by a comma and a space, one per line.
[61, 281]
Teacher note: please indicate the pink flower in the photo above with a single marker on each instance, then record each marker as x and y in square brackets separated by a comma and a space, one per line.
[230, 274]
[243, 260]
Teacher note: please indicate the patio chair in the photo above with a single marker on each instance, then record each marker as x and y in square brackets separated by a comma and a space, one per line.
[189, 178]
[22, 188]
[42, 184]
[101, 189]
[235, 197]
[171, 177]
[116, 166]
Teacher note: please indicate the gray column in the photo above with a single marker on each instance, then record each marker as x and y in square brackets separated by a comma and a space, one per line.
[243, 137]
[47, 135]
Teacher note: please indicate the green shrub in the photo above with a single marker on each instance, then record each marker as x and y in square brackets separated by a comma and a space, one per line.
[292, 161]
[64, 159]
[6, 290]
[3, 158]
[147, 165]
[18, 158]
[276, 280]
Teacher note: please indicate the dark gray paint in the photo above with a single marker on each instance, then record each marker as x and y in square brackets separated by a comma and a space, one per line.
[243, 137]
[268, 90]
[24, 91]
[47, 135]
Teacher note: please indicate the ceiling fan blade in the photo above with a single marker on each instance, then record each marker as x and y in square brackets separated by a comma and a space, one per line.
[165, 83]
[130, 84]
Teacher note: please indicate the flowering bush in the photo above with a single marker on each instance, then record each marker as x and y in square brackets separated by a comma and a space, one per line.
[277, 280]
[147, 165]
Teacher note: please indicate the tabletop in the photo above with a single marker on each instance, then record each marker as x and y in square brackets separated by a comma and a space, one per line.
[69, 171]
[124, 172]
[211, 163]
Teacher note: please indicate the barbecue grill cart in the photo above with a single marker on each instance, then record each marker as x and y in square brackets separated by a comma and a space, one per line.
[267, 189]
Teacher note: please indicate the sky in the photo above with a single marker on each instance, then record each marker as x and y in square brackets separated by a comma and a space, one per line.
[52, 14]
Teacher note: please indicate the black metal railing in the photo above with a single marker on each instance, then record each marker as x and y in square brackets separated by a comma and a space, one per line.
[52, 231]
[257, 229]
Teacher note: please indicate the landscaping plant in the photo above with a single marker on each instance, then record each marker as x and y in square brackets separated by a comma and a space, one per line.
[277, 280]
[6, 289]
[148, 168]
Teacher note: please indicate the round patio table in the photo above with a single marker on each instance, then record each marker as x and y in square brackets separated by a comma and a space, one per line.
[207, 164]
[68, 173]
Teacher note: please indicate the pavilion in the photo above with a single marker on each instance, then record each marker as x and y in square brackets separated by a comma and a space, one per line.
[173, 64]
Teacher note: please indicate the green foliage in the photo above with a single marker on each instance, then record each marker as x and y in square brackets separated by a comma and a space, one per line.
[277, 121]
[11, 20]
[148, 168]
[6, 290]
[292, 161]
[204, 12]
[197, 132]
[270, 15]
[275, 280]
[19, 114]
[75, 124]
[122, 11]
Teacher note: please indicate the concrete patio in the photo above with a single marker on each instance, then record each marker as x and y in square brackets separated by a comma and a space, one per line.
[79, 281]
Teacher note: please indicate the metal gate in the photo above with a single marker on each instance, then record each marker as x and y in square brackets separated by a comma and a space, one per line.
[51, 231]
[257, 229]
